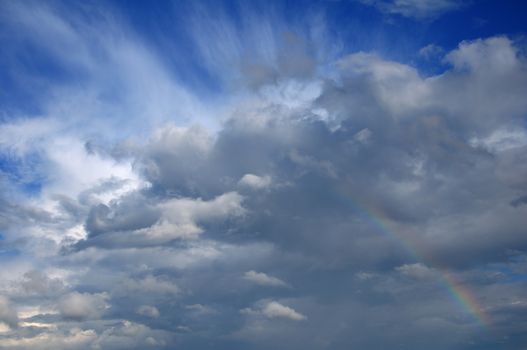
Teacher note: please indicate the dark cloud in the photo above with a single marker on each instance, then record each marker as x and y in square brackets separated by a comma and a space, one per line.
[519, 201]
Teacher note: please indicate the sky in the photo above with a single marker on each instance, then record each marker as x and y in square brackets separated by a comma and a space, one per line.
[263, 174]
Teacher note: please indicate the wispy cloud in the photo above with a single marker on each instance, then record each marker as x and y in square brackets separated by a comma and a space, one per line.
[417, 9]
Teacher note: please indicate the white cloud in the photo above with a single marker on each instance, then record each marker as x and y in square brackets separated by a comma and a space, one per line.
[495, 55]
[397, 86]
[273, 309]
[181, 217]
[75, 339]
[263, 279]
[363, 136]
[113, 335]
[130, 335]
[501, 140]
[255, 181]
[77, 170]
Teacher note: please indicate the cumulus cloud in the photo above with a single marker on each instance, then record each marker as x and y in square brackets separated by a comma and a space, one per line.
[180, 217]
[132, 222]
[497, 52]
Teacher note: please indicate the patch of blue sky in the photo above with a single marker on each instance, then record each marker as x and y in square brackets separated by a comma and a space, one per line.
[162, 26]
[9, 253]
[513, 271]
[23, 173]
[30, 68]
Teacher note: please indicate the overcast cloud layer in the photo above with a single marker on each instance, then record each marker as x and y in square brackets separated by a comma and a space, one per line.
[247, 180]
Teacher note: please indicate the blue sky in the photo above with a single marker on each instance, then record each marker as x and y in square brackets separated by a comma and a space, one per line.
[164, 29]
[264, 174]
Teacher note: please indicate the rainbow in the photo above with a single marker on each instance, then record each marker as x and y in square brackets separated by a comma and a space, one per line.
[458, 291]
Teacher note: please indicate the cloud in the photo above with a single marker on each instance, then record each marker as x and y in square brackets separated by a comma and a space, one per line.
[353, 177]
[416, 9]
[148, 285]
[81, 306]
[498, 52]
[200, 310]
[274, 309]
[430, 51]
[38, 283]
[519, 201]
[7, 314]
[76, 339]
[255, 181]
[148, 311]
[135, 222]
[263, 279]
[418, 270]
[115, 335]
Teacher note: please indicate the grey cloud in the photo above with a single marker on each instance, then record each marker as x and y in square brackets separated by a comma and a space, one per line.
[417, 270]
[106, 335]
[147, 285]
[129, 215]
[200, 310]
[81, 306]
[519, 201]
[149, 311]
[8, 314]
[134, 223]
[36, 282]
